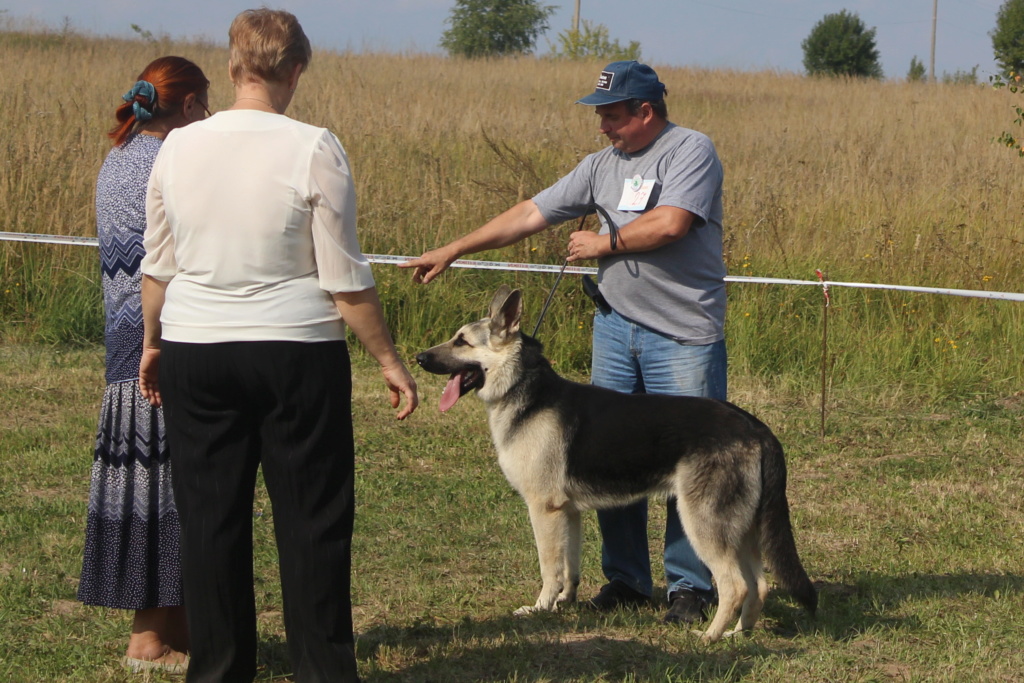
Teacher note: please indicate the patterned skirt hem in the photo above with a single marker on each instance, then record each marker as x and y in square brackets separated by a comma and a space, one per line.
[131, 558]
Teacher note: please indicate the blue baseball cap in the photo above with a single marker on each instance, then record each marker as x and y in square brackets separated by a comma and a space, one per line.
[628, 80]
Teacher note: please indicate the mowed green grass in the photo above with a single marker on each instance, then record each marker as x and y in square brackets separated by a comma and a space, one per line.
[907, 515]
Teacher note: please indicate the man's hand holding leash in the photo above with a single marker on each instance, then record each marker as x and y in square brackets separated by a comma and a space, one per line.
[585, 245]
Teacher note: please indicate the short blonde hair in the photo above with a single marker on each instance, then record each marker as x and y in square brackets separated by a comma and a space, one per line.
[266, 45]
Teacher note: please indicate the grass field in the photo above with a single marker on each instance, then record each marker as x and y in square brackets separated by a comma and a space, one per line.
[909, 519]
[908, 511]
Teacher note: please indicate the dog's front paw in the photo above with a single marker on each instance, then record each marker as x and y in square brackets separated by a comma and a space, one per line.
[708, 638]
[539, 606]
[705, 638]
[738, 632]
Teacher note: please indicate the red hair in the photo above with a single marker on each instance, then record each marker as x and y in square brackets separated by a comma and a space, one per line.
[174, 79]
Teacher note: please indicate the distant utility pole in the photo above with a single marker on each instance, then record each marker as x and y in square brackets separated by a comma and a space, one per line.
[576, 17]
[935, 17]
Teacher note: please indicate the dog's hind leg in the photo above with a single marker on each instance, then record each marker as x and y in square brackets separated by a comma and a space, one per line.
[551, 530]
[752, 569]
[716, 546]
[732, 593]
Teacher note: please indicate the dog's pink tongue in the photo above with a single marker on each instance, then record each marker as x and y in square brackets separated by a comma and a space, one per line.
[452, 392]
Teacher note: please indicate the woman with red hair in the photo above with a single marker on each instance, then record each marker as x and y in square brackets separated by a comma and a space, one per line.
[131, 542]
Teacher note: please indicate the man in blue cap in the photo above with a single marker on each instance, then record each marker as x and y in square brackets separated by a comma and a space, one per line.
[659, 327]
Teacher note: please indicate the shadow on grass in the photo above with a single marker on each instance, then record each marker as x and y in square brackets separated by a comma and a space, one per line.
[577, 644]
[846, 610]
[570, 646]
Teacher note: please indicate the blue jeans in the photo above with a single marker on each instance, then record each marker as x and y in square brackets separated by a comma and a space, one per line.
[633, 359]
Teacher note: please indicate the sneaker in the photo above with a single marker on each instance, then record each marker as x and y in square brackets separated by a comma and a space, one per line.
[686, 607]
[616, 594]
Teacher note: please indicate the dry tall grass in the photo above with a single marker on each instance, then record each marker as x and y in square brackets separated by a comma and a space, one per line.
[868, 179]
[885, 182]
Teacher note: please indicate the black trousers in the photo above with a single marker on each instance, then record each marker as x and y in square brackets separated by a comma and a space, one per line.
[286, 406]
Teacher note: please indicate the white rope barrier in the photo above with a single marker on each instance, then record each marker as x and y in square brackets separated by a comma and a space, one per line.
[580, 270]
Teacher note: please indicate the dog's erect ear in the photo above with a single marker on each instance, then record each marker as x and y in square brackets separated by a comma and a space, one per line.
[505, 321]
[498, 300]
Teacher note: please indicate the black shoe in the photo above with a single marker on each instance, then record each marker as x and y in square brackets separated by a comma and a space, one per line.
[614, 595]
[686, 607]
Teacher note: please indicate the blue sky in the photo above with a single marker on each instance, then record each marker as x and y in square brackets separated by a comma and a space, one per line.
[748, 35]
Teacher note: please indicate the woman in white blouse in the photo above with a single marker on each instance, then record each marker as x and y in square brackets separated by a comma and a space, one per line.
[252, 273]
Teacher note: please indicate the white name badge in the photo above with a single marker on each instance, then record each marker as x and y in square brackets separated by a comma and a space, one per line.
[636, 192]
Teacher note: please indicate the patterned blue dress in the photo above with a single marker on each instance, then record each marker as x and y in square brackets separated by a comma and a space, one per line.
[131, 539]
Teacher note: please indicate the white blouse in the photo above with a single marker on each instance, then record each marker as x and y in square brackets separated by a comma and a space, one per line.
[251, 217]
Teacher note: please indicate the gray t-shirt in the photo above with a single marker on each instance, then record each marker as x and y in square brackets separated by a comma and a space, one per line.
[678, 289]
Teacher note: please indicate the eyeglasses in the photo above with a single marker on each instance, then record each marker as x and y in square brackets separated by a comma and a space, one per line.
[205, 108]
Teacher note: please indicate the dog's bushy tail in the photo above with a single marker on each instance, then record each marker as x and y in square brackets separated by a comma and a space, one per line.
[776, 531]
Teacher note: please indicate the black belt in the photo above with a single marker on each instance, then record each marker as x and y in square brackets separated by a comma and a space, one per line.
[591, 290]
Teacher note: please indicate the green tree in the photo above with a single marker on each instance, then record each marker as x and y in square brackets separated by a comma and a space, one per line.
[1008, 37]
[961, 77]
[1015, 84]
[841, 45]
[916, 73]
[494, 28]
[593, 43]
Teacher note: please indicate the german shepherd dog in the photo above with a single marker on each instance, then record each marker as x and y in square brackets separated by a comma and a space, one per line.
[567, 447]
